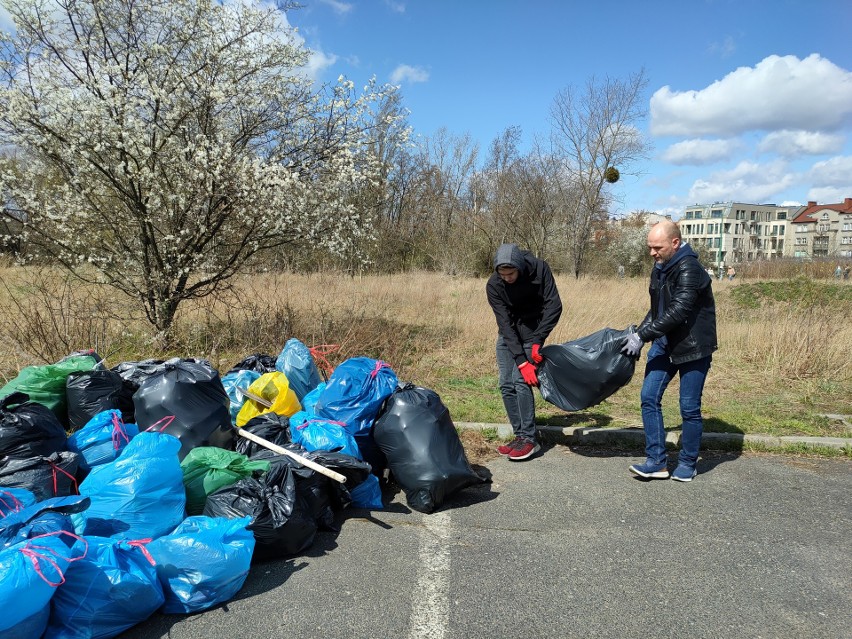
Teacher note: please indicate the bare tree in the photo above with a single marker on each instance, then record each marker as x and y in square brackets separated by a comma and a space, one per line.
[594, 128]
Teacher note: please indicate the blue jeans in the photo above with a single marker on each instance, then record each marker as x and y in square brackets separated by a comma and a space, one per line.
[517, 395]
[659, 371]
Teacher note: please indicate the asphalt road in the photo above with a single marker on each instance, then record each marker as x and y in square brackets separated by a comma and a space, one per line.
[569, 544]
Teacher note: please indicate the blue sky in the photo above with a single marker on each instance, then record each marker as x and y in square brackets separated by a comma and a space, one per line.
[748, 100]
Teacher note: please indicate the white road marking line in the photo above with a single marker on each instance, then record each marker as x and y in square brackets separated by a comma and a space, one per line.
[430, 605]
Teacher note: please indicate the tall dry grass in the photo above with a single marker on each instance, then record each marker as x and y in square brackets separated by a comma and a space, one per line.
[429, 327]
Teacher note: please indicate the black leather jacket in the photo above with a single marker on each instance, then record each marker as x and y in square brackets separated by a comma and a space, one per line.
[688, 319]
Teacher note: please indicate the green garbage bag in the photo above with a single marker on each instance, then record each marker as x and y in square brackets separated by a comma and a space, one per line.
[208, 468]
[46, 384]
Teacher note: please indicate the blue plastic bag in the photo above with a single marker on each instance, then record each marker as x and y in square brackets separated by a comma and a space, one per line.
[14, 500]
[139, 495]
[30, 573]
[112, 589]
[44, 517]
[234, 380]
[102, 439]
[315, 433]
[297, 363]
[367, 494]
[203, 562]
[355, 392]
[309, 401]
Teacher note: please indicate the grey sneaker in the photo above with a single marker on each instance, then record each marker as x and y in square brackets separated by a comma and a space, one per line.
[649, 470]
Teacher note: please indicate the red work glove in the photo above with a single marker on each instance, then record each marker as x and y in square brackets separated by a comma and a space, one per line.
[528, 373]
[536, 356]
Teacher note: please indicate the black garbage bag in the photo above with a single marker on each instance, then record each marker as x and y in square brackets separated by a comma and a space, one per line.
[280, 522]
[29, 429]
[92, 392]
[186, 399]
[44, 476]
[422, 446]
[272, 427]
[258, 362]
[134, 373]
[585, 371]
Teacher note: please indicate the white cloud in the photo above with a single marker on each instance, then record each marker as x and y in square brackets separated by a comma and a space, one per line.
[340, 8]
[836, 172]
[779, 93]
[318, 62]
[829, 195]
[396, 7]
[725, 48]
[792, 144]
[407, 73]
[700, 151]
[747, 182]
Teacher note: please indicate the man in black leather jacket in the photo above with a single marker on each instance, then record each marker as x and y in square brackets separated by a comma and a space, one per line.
[682, 326]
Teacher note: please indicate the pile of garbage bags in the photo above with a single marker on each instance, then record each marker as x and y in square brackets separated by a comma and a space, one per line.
[154, 485]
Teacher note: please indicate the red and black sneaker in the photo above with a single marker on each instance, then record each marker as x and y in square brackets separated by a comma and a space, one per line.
[524, 450]
[505, 449]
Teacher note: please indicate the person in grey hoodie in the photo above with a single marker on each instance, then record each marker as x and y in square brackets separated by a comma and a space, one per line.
[682, 326]
[523, 295]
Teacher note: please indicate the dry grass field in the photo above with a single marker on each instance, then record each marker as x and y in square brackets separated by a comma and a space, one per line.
[781, 365]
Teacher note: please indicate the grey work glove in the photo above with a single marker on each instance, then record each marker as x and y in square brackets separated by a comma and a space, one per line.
[632, 345]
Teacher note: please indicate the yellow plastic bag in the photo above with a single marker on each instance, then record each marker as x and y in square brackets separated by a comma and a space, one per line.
[274, 388]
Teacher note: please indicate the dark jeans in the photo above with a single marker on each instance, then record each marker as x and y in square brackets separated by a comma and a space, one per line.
[517, 395]
[659, 371]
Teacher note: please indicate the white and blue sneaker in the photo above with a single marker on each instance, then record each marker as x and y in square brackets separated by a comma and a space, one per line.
[684, 472]
[650, 470]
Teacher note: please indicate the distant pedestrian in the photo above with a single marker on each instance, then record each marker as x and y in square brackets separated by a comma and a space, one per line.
[621, 271]
[681, 325]
[732, 273]
[846, 273]
[721, 272]
[838, 272]
[523, 295]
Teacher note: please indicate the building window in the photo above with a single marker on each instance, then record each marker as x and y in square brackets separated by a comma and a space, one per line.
[717, 213]
[824, 216]
[782, 215]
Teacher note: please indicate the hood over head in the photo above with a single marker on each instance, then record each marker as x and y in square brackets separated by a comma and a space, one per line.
[509, 255]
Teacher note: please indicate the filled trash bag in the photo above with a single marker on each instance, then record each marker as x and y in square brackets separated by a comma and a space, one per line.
[207, 469]
[297, 363]
[355, 392]
[30, 573]
[272, 427]
[44, 517]
[46, 384]
[188, 396]
[13, 500]
[101, 440]
[113, 588]
[139, 495]
[309, 401]
[423, 449]
[315, 433]
[259, 363]
[280, 520]
[203, 562]
[585, 371]
[233, 382]
[29, 429]
[275, 389]
[92, 392]
[45, 476]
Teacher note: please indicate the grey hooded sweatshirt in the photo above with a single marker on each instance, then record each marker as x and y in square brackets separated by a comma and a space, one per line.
[528, 309]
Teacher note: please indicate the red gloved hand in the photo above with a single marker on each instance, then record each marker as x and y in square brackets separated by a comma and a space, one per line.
[528, 373]
[536, 356]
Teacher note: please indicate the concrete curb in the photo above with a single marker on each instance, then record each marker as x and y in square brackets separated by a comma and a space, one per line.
[635, 437]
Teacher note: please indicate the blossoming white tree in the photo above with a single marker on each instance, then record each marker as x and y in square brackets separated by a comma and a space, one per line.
[158, 146]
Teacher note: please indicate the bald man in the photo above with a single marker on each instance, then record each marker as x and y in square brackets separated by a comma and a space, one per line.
[681, 326]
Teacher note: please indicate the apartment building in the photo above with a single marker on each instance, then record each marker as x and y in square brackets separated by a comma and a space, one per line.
[737, 231]
[823, 230]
